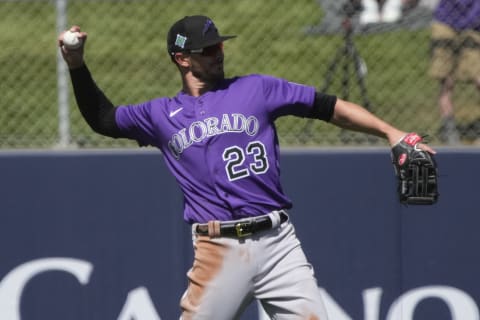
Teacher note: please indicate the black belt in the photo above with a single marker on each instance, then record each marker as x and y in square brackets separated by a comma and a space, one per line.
[241, 228]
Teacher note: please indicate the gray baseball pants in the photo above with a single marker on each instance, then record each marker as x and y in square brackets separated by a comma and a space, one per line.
[228, 273]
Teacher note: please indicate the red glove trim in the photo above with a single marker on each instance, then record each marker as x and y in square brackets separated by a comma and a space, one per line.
[412, 139]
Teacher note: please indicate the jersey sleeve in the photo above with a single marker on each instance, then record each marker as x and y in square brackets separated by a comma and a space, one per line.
[287, 98]
[135, 123]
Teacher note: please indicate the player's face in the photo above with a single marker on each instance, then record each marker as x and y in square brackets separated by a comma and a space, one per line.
[207, 64]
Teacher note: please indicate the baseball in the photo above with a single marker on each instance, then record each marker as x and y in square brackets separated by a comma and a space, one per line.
[71, 40]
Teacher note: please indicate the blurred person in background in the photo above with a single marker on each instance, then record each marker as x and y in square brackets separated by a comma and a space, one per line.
[455, 41]
[372, 16]
[376, 11]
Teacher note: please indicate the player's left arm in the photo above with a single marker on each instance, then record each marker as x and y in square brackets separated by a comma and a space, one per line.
[351, 116]
[415, 168]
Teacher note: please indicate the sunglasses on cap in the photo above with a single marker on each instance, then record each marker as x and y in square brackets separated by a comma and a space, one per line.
[208, 51]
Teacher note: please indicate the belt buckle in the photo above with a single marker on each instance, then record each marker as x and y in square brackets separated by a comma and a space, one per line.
[243, 229]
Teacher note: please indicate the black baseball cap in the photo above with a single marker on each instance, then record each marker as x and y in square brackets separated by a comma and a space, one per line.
[193, 32]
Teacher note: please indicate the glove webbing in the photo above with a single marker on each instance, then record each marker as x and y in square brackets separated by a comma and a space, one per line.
[421, 188]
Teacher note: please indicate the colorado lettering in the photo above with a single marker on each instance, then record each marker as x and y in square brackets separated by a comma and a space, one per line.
[198, 131]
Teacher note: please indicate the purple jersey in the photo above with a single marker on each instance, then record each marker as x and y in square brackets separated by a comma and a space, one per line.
[222, 146]
[459, 14]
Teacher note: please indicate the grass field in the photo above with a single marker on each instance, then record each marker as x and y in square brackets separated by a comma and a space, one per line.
[127, 54]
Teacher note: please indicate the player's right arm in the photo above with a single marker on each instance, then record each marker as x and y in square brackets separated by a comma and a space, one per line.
[97, 110]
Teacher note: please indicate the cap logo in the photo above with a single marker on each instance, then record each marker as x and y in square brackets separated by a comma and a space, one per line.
[180, 41]
[207, 26]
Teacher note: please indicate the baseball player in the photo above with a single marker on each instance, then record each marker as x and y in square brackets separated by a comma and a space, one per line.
[218, 139]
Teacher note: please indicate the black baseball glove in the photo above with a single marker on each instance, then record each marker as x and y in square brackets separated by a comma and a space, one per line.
[416, 172]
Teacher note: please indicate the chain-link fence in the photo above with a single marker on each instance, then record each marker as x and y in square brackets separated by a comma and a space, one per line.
[297, 40]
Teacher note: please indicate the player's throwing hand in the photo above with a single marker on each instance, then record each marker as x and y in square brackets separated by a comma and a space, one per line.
[72, 48]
